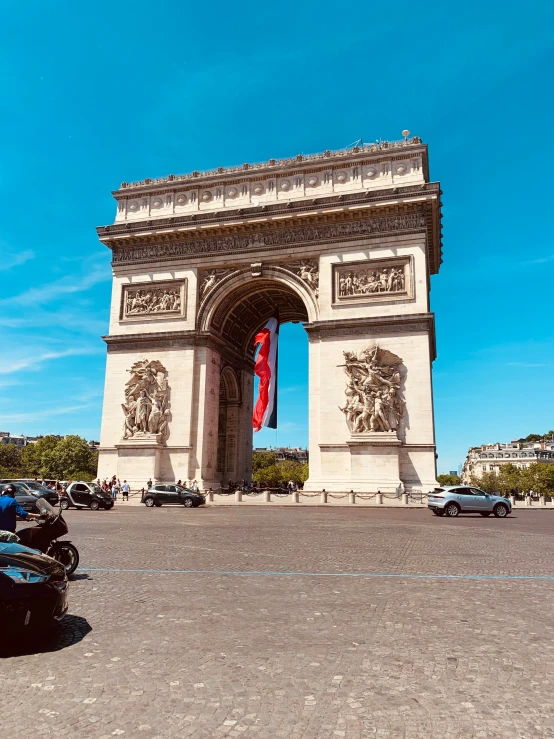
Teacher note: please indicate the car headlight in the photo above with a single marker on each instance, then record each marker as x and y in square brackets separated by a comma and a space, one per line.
[21, 575]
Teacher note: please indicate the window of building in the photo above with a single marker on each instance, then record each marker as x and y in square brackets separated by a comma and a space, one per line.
[484, 467]
[491, 467]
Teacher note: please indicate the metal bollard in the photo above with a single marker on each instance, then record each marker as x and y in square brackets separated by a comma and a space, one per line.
[404, 498]
[267, 496]
[351, 498]
[238, 496]
[323, 498]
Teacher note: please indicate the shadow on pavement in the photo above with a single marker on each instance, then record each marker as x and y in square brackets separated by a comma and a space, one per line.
[71, 630]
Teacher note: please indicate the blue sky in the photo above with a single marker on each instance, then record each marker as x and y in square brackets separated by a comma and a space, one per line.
[93, 94]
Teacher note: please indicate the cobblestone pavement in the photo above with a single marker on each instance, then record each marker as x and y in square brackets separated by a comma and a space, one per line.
[344, 653]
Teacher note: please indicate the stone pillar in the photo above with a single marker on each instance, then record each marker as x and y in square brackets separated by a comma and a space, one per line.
[323, 498]
[527, 500]
[267, 496]
[404, 499]
[211, 497]
[238, 496]
[351, 498]
[379, 498]
[543, 500]
[295, 497]
[513, 500]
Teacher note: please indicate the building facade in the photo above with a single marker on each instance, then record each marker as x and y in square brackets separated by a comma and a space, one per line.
[491, 457]
[344, 242]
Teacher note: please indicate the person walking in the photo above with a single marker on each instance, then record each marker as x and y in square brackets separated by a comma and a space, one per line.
[148, 484]
[125, 490]
[115, 490]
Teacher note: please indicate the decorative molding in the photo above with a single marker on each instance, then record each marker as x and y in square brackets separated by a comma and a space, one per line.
[314, 233]
[373, 281]
[160, 299]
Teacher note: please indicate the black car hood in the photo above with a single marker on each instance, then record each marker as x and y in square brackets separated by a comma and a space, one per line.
[20, 556]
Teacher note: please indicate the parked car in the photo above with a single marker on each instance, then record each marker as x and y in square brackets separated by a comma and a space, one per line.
[37, 489]
[455, 499]
[27, 498]
[85, 495]
[33, 587]
[159, 495]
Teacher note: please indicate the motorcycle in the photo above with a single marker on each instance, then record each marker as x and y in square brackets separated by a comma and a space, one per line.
[44, 537]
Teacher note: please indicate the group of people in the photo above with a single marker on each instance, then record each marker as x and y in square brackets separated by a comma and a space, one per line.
[255, 487]
[114, 487]
[152, 301]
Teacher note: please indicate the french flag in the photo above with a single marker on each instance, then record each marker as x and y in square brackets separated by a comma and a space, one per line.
[265, 410]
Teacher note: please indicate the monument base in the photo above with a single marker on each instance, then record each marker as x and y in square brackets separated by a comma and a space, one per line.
[136, 460]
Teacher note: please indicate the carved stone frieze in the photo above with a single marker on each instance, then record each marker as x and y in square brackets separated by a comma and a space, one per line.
[272, 238]
[373, 280]
[164, 299]
[373, 398]
[146, 404]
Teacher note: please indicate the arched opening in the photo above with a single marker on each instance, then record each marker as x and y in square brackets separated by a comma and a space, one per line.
[235, 312]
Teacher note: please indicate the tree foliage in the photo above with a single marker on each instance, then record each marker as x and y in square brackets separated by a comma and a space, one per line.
[511, 480]
[266, 470]
[448, 479]
[50, 457]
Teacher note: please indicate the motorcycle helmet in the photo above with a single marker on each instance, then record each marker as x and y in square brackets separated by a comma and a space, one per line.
[9, 489]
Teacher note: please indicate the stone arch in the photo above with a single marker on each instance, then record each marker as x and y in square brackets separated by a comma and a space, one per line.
[229, 387]
[240, 303]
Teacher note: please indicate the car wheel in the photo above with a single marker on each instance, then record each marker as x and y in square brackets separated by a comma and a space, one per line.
[452, 510]
[149, 502]
[109, 506]
[64, 505]
[488, 513]
[188, 503]
[158, 505]
[501, 511]
[94, 505]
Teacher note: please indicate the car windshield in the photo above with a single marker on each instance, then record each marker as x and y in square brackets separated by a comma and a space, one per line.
[96, 488]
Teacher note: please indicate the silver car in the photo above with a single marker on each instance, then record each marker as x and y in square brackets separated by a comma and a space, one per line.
[455, 499]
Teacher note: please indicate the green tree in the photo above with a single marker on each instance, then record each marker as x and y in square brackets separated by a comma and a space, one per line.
[261, 460]
[70, 456]
[34, 455]
[487, 482]
[539, 478]
[270, 476]
[10, 459]
[448, 479]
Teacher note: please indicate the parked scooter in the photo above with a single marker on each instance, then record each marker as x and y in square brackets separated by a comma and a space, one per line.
[44, 537]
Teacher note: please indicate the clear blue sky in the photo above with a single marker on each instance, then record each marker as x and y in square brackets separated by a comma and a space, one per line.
[96, 93]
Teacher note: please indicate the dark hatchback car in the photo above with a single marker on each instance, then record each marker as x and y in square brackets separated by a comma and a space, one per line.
[33, 588]
[159, 495]
[27, 494]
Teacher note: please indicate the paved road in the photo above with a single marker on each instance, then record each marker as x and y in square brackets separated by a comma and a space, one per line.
[365, 647]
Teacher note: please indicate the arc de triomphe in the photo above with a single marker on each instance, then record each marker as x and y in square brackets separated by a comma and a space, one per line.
[344, 242]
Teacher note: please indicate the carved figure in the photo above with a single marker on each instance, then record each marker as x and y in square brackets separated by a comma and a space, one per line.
[308, 272]
[211, 279]
[146, 400]
[371, 281]
[139, 301]
[373, 398]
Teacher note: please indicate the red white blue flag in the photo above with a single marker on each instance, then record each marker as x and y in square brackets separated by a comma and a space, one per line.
[265, 410]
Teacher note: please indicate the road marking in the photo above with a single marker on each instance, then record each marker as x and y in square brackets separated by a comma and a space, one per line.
[254, 573]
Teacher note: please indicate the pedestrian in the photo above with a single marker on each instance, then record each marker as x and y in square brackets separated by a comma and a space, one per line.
[115, 491]
[194, 486]
[125, 490]
[149, 484]
[179, 483]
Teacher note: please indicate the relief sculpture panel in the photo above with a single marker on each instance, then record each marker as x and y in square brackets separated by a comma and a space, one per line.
[373, 280]
[146, 407]
[373, 397]
[166, 299]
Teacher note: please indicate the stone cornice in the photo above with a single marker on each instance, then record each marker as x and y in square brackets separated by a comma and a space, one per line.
[397, 324]
[240, 215]
[278, 166]
[176, 339]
